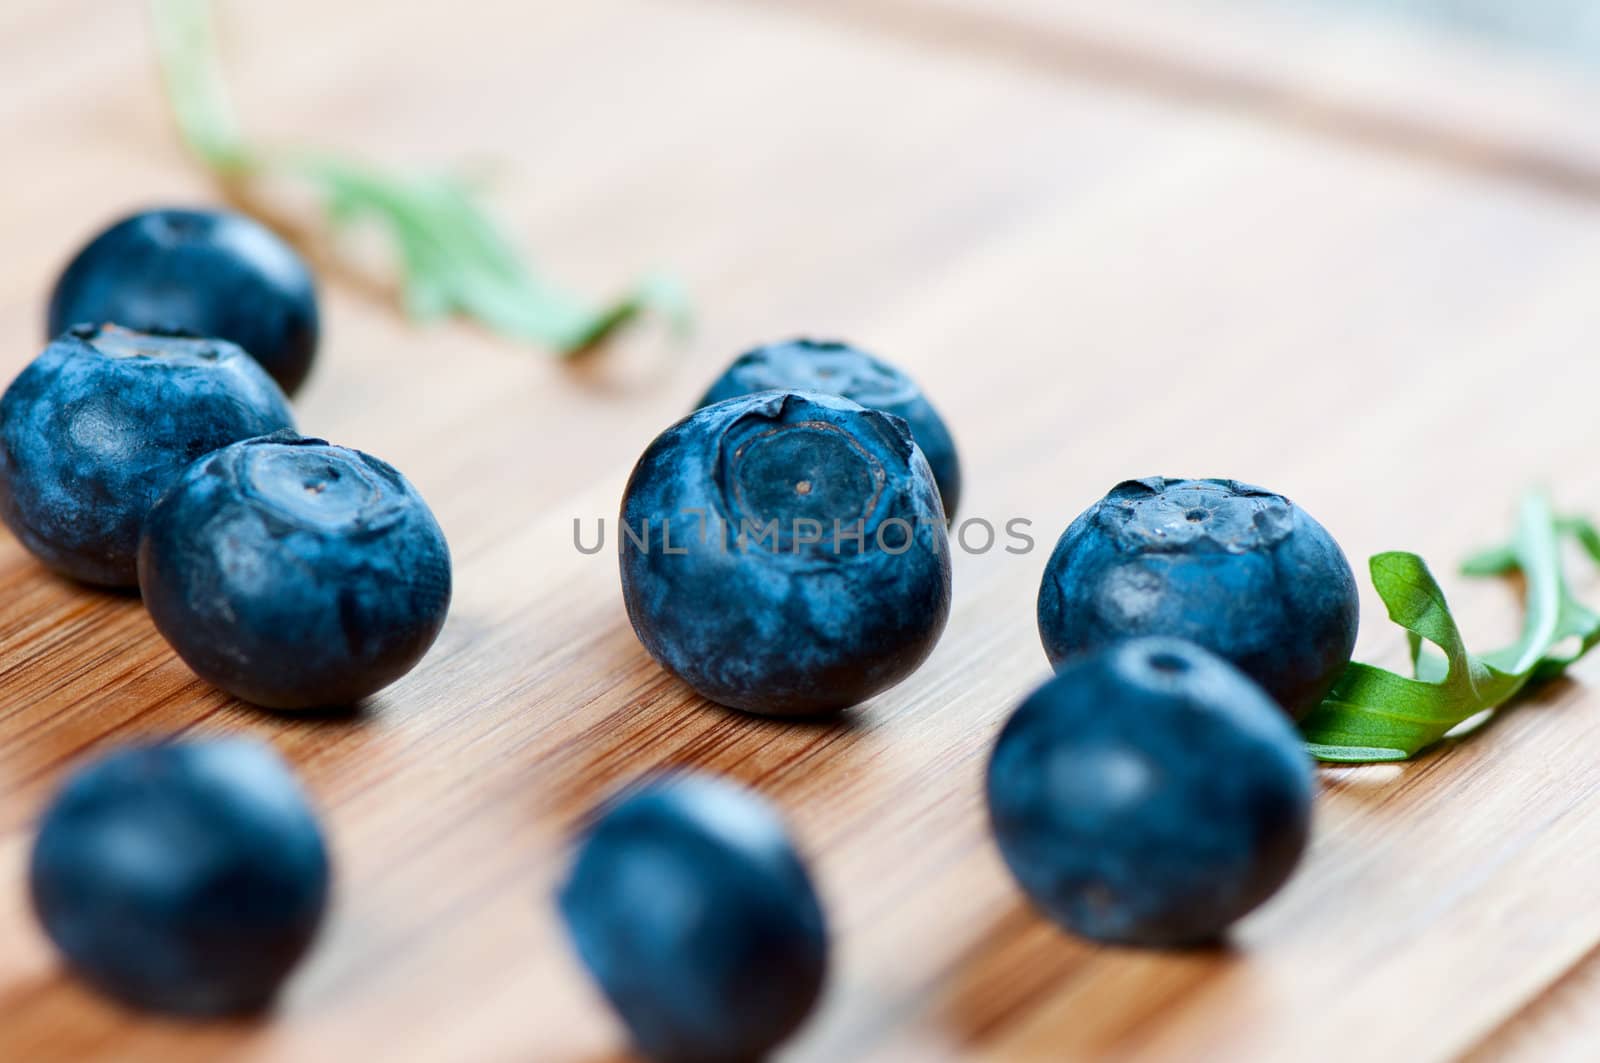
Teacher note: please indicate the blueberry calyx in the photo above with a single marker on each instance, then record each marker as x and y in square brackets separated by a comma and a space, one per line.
[1159, 514]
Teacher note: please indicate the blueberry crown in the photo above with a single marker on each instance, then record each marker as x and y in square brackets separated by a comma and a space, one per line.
[1158, 514]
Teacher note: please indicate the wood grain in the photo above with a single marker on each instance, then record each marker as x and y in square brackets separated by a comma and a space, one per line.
[1095, 279]
[1473, 101]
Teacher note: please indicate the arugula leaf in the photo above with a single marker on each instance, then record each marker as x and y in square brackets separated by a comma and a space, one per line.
[1376, 715]
[453, 258]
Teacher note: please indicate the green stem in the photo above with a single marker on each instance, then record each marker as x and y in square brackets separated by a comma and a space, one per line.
[186, 46]
[453, 258]
[1373, 714]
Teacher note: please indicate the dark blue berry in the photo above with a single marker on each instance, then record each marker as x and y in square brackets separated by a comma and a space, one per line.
[295, 574]
[187, 877]
[1241, 571]
[839, 369]
[1149, 794]
[689, 905]
[785, 552]
[204, 272]
[102, 422]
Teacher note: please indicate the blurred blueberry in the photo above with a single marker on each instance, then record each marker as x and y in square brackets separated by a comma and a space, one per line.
[836, 368]
[96, 427]
[204, 272]
[1149, 794]
[187, 877]
[295, 574]
[785, 552]
[1241, 571]
[688, 904]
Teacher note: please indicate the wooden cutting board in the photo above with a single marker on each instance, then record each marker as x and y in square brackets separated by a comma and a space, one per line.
[1106, 253]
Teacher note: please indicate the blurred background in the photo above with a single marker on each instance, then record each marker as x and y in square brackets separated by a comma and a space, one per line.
[1562, 26]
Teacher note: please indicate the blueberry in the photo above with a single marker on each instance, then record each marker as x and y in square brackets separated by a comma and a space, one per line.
[1149, 794]
[1241, 571]
[205, 272]
[102, 422]
[785, 553]
[839, 369]
[295, 574]
[689, 905]
[187, 877]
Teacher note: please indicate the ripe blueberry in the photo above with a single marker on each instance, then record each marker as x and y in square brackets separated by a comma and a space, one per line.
[295, 574]
[1149, 794]
[690, 907]
[187, 877]
[785, 552]
[96, 427]
[1241, 571]
[839, 369]
[205, 272]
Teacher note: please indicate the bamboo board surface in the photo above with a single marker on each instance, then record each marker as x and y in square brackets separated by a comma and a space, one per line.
[1095, 274]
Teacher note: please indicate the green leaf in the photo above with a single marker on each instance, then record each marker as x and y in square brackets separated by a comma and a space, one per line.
[1376, 715]
[453, 258]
